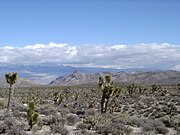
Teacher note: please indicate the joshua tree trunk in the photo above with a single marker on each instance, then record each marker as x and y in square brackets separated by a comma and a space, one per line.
[106, 105]
[103, 102]
[9, 100]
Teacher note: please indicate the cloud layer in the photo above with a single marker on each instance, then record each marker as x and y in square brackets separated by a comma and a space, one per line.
[154, 56]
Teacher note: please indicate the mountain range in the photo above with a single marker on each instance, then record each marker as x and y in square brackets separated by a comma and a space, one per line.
[45, 73]
[147, 78]
[58, 74]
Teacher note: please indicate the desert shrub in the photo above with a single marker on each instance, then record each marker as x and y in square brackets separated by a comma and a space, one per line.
[17, 130]
[47, 110]
[63, 111]
[148, 133]
[146, 127]
[152, 125]
[18, 114]
[137, 122]
[72, 119]
[165, 120]
[72, 110]
[90, 111]
[11, 126]
[160, 114]
[166, 110]
[113, 128]
[174, 121]
[157, 123]
[84, 132]
[59, 129]
[148, 124]
[83, 126]
[53, 119]
[50, 119]
[97, 119]
[21, 108]
[119, 120]
[80, 112]
[161, 129]
[122, 118]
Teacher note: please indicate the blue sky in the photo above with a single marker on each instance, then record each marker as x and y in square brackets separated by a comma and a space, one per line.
[92, 22]
[91, 33]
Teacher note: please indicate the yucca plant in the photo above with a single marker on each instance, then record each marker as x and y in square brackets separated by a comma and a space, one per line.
[11, 79]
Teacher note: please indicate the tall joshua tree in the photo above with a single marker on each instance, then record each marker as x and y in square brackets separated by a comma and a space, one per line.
[11, 79]
[108, 91]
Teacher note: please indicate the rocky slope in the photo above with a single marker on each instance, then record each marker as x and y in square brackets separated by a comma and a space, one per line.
[151, 77]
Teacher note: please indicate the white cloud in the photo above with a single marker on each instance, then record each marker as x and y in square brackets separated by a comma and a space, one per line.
[52, 44]
[8, 47]
[36, 46]
[153, 55]
[119, 47]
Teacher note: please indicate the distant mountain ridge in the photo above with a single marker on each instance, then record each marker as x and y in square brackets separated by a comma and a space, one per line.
[45, 73]
[149, 77]
[22, 82]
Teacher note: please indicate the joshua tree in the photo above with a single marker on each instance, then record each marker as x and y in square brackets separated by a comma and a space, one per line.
[131, 89]
[55, 97]
[108, 91]
[32, 115]
[11, 79]
[155, 88]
